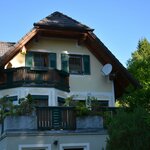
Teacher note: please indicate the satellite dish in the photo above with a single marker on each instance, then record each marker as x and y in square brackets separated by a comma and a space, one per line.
[106, 70]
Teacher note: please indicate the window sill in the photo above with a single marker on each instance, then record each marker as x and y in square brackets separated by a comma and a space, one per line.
[39, 69]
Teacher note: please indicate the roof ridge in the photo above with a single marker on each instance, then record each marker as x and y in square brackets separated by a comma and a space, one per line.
[59, 13]
[61, 21]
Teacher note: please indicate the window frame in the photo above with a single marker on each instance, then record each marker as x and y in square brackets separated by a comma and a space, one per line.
[85, 64]
[85, 146]
[49, 60]
[81, 61]
[45, 146]
[44, 60]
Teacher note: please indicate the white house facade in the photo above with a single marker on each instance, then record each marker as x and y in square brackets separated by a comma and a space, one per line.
[59, 58]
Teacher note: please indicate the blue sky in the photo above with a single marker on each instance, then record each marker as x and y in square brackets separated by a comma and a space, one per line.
[119, 24]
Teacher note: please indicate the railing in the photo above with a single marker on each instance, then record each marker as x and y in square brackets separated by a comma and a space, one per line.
[57, 118]
[25, 76]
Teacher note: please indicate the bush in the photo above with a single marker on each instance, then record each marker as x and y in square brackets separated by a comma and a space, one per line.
[129, 130]
[26, 107]
[6, 108]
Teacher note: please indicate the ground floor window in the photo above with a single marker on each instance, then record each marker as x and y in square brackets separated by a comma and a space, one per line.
[61, 101]
[35, 147]
[74, 146]
[73, 149]
[13, 99]
[40, 100]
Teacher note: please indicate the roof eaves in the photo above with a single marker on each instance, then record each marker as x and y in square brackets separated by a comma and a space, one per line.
[117, 62]
[62, 28]
[15, 48]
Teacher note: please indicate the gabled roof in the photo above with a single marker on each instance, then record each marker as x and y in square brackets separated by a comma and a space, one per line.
[62, 26]
[58, 20]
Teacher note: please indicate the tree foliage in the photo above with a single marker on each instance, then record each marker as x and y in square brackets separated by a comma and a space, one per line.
[129, 130]
[139, 66]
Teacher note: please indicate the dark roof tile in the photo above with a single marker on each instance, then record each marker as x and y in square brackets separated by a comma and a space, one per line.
[60, 21]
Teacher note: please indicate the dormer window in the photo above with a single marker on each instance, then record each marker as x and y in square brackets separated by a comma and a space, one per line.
[38, 60]
[76, 64]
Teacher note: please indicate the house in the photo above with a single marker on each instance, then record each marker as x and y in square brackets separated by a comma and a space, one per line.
[59, 58]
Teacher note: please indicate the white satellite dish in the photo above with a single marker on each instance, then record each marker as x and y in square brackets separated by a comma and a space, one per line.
[106, 70]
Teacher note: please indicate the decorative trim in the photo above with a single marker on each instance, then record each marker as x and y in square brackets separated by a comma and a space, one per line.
[46, 146]
[85, 146]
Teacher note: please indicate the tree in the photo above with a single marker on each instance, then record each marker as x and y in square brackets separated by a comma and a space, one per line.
[139, 66]
[129, 130]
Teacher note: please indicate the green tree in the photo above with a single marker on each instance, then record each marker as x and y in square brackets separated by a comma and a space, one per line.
[129, 130]
[139, 66]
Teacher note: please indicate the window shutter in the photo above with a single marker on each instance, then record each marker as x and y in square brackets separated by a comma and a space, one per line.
[29, 59]
[65, 62]
[86, 64]
[52, 60]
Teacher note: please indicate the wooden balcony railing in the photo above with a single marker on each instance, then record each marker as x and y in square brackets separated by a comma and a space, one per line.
[56, 118]
[25, 76]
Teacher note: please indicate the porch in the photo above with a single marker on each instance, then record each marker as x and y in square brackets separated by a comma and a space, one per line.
[32, 77]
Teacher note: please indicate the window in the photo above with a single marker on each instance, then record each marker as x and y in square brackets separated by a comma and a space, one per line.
[74, 146]
[61, 101]
[35, 147]
[40, 100]
[76, 64]
[14, 99]
[73, 149]
[40, 60]
[103, 103]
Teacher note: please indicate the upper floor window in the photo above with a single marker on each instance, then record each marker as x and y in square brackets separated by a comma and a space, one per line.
[76, 64]
[40, 60]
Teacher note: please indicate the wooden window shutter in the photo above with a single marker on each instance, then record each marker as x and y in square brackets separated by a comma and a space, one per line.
[65, 62]
[52, 60]
[86, 64]
[29, 59]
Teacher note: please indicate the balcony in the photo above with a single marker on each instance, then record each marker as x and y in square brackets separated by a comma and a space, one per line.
[45, 118]
[31, 77]
[56, 118]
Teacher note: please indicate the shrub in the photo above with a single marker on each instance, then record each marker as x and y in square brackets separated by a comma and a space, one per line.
[129, 130]
[26, 107]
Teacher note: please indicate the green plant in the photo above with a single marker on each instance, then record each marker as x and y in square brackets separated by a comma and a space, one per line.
[129, 130]
[81, 109]
[6, 108]
[27, 106]
[69, 101]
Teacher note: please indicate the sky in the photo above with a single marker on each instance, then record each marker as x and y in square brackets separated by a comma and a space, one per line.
[119, 24]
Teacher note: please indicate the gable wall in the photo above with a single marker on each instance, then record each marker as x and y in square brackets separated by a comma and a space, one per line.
[94, 83]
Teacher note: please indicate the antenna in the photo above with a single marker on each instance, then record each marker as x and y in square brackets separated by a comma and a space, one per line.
[106, 70]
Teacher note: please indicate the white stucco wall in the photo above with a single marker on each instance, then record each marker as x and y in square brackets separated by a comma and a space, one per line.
[88, 141]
